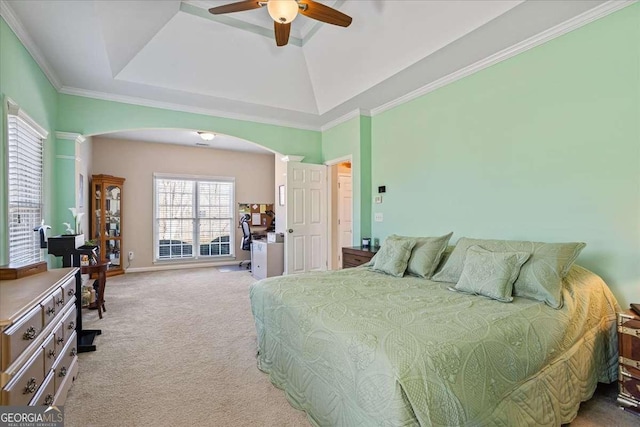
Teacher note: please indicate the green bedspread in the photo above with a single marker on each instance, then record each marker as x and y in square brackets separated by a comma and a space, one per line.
[359, 348]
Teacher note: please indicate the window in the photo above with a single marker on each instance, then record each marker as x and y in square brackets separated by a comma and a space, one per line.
[194, 217]
[24, 173]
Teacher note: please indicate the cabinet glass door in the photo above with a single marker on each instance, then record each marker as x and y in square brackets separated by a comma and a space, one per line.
[112, 224]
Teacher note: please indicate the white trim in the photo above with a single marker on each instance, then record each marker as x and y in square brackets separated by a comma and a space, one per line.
[194, 177]
[347, 158]
[585, 18]
[125, 99]
[65, 157]
[342, 119]
[70, 136]
[290, 158]
[26, 40]
[15, 110]
[180, 266]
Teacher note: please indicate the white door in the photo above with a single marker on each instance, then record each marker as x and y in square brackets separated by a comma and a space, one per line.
[306, 233]
[345, 221]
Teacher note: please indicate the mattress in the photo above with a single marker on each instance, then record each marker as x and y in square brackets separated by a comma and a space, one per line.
[355, 347]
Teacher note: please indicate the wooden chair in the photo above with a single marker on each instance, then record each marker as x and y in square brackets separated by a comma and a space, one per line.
[101, 270]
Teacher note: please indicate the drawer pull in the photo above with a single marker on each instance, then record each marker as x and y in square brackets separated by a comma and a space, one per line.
[59, 301]
[72, 325]
[31, 386]
[29, 334]
[63, 371]
[73, 352]
[48, 400]
[71, 292]
[51, 310]
[52, 354]
[60, 340]
[629, 331]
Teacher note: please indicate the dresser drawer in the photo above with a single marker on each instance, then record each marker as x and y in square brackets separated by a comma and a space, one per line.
[65, 328]
[46, 392]
[58, 297]
[20, 335]
[49, 352]
[72, 373]
[63, 364]
[24, 385]
[629, 385]
[49, 309]
[69, 290]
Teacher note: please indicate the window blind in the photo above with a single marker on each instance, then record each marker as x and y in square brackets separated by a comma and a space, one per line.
[24, 178]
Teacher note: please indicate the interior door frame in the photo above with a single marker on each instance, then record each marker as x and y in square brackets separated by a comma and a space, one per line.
[330, 190]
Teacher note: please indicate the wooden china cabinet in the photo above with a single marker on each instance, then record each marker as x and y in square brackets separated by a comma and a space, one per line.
[106, 222]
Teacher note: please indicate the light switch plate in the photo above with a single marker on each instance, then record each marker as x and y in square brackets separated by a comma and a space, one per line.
[378, 217]
[378, 199]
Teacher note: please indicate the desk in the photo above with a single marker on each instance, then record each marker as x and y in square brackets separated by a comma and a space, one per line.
[101, 270]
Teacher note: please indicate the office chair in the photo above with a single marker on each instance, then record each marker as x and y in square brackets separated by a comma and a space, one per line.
[245, 244]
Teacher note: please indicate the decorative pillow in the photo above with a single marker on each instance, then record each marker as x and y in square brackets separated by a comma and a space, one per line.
[425, 255]
[540, 277]
[393, 256]
[490, 273]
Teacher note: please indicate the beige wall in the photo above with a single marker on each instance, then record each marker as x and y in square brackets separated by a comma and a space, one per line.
[137, 162]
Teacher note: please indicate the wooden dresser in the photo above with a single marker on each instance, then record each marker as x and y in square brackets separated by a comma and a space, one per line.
[357, 255]
[629, 366]
[38, 343]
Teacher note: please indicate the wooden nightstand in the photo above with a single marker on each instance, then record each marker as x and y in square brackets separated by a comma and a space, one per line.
[629, 366]
[357, 255]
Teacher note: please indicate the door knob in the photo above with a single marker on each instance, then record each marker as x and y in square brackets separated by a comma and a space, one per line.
[290, 230]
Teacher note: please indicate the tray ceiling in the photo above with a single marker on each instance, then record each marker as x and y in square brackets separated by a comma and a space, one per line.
[177, 55]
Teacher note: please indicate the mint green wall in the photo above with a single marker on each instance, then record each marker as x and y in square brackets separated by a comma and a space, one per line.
[89, 116]
[544, 146]
[22, 80]
[353, 138]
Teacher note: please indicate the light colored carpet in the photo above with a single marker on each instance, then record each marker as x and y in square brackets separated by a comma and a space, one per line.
[178, 348]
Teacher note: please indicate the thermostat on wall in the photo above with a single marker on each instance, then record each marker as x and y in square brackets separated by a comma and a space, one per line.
[382, 189]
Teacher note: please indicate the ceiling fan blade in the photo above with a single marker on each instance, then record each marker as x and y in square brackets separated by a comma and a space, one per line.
[235, 7]
[282, 33]
[324, 13]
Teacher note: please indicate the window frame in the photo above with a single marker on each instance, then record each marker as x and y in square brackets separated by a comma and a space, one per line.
[196, 257]
[13, 109]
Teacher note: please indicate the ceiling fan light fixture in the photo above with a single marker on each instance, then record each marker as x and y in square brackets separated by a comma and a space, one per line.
[283, 11]
[207, 136]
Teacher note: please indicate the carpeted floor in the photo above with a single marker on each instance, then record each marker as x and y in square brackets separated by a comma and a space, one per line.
[178, 349]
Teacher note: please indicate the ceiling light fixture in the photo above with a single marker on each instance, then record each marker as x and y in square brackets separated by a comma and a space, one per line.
[207, 136]
[283, 11]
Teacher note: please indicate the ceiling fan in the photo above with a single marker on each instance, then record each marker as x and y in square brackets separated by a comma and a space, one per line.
[284, 11]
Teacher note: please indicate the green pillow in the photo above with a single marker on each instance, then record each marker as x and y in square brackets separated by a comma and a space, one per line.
[425, 255]
[540, 277]
[490, 273]
[393, 256]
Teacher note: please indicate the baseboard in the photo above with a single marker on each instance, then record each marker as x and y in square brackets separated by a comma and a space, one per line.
[180, 266]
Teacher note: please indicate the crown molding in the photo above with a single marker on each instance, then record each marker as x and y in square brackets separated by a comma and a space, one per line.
[345, 118]
[16, 26]
[15, 110]
[576, 22]
[181, 107]
[70, 136]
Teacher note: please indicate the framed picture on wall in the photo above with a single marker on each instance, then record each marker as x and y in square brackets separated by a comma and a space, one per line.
[281, 195]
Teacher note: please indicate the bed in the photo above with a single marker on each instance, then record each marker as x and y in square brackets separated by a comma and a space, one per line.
[355, 347]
